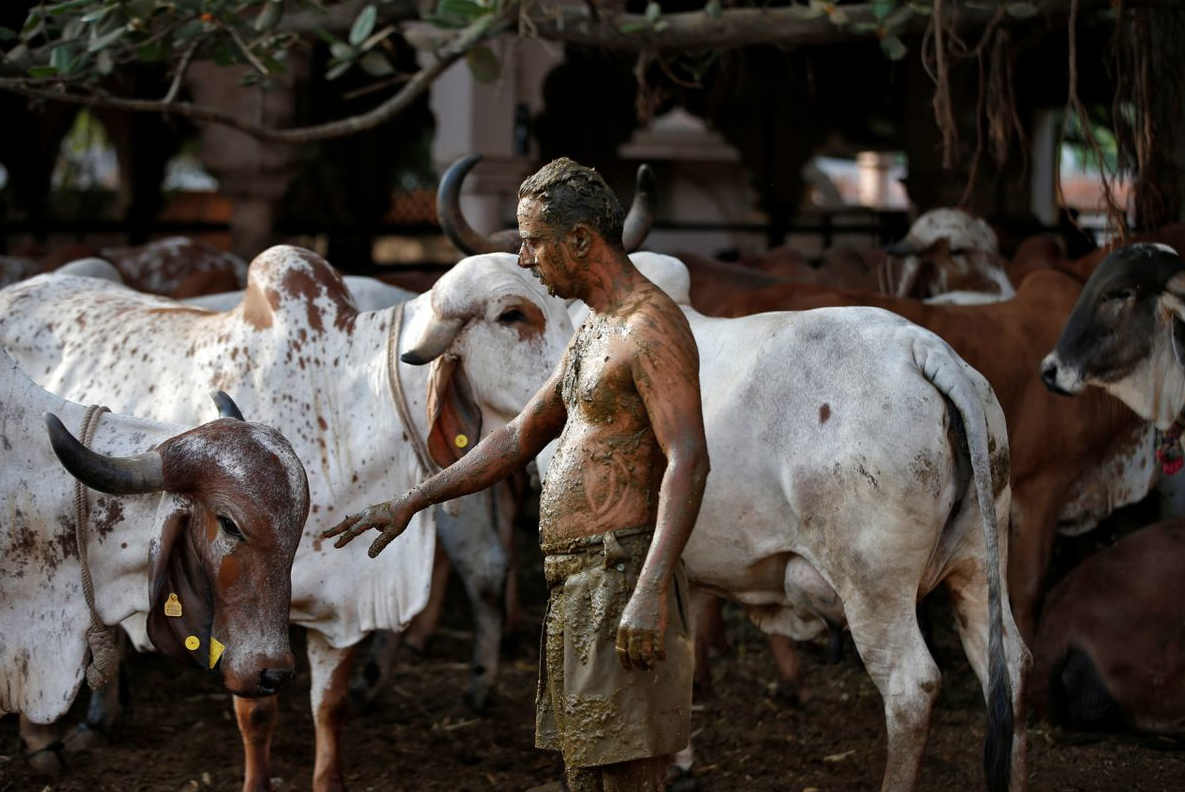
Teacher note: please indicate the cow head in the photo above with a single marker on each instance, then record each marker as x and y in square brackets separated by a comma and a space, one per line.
[235, 503]
[493, 337]
[1126, 333]
[946, 250]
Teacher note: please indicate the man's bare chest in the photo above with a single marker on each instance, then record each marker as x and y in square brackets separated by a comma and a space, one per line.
[598, 382]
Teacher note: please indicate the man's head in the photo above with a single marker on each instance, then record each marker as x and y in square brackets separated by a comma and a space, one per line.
[562, 209]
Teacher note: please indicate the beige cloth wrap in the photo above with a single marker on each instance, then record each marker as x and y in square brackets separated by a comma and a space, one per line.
[588, 706]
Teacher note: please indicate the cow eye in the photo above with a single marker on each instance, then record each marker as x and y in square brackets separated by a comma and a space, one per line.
[1120, 294]
[511, 316]
[229, 526]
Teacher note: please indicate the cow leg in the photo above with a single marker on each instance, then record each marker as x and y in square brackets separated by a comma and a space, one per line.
[257, 720]
[710, 637]
[886, 633]
[42, 747]
[507, 505]
[423, 625]
[471, 541]
[329, 671]
[1033, 529]
[969, 597]
[376, 669]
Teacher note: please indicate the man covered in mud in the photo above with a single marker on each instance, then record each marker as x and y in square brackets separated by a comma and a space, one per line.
[619, 500]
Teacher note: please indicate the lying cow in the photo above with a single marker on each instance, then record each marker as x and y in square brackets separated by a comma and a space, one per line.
[297, 350]
[1110, 654]
[202, 544]
[858, 464]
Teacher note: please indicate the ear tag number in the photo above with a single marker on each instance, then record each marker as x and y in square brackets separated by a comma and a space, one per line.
[460, 441]
[173, 607]
[192, 643]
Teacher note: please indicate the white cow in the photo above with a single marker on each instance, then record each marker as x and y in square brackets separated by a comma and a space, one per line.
[297, 351]
[857, 464]
[210, 521]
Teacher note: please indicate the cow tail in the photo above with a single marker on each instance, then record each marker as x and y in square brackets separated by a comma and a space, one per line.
[945, 371]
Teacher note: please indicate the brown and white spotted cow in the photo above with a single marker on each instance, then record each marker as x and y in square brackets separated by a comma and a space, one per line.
[297, 350]
[196, 530]
[950, 256]
[1110, 651]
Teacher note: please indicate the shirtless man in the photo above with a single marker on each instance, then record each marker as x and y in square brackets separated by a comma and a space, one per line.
[620, 499]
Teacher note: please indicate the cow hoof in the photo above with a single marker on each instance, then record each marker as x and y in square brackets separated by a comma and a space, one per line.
[85, 737]
[48, 760]
[477, 699]
[680, 780]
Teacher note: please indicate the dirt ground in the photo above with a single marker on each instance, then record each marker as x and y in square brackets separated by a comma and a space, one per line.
[182, 736]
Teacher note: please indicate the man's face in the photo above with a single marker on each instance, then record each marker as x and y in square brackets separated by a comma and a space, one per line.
[542, 251]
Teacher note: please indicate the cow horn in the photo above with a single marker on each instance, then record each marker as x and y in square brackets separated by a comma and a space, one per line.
[642, 210]
[436, 338]
[114, 475]
[226, 406]
[452, 221]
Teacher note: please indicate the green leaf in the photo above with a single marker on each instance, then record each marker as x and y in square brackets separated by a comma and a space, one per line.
[464, 9]
[154, 51]
[57, 9]
[61, 59]
[269, 17]
[6, 34]
[97, 14]
[893, 48]
[338, 70]
[108, 38]
[661, 25]
[376, 64]
[653, 12]
[364, 25]
[342, 51]
[42, 71]
[633, 27]
[882, 8]
[1021, 10]
[483, 63]
[713, 10]
[899, 18]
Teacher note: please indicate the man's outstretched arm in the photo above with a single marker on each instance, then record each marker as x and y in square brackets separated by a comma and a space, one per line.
[666, 375]
[503, 451]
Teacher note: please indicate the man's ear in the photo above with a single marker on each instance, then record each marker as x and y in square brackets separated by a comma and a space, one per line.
[580, 239]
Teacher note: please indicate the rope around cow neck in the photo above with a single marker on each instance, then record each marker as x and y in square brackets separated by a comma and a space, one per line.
[101, 638]
[397, 393]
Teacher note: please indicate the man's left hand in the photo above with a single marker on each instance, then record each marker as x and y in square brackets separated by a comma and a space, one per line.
[640, 634]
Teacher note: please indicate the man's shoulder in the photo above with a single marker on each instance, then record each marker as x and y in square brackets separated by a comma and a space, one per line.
[654, 311]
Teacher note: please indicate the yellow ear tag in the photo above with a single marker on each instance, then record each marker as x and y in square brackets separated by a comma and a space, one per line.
[192, 643]
[216, 650]
[173, 606]
[460, 441]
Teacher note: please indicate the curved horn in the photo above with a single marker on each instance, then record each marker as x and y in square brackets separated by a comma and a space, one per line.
[642, 211]
[452, 221]
[226, 406]
[114, 475]
[431, 345]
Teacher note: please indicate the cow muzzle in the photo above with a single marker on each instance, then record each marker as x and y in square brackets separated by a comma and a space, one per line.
[1053, 375]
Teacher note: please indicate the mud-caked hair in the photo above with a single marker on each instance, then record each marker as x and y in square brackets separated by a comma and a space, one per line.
[569, 193]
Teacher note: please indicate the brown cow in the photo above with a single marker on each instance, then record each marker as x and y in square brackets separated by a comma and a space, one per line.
[1110, 651]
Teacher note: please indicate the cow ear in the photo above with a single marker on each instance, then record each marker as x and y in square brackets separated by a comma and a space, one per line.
[454, 420]
[1174, 311]
[181, 605]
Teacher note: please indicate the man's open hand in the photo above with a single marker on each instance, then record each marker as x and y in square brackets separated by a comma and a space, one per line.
[640, 634]
[390, 517]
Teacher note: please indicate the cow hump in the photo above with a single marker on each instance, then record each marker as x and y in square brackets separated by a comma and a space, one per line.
[289, 284]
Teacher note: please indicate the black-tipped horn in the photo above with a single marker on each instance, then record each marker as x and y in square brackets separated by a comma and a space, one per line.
[431, 345]
[642, 211]
[452, 221]
[226, 406]
[115, 475]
